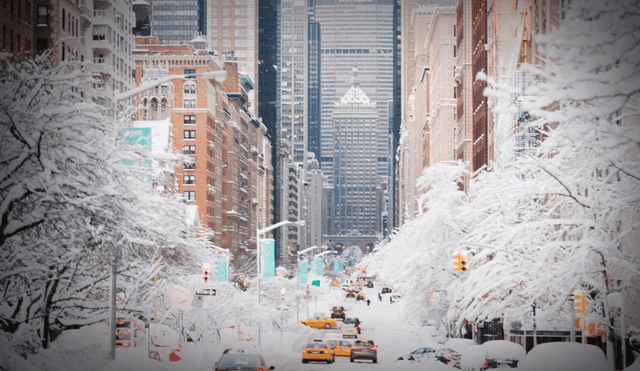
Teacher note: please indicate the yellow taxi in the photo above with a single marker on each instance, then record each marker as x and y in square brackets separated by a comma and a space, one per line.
[319, 320]
[341, 348]
[318, 350]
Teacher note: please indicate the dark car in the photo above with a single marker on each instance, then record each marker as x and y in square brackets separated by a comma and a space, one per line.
[370, 284]
[242, 362]
[338, 312]
[386, 290]
[355, 321]
[364, 349]
[351, 293]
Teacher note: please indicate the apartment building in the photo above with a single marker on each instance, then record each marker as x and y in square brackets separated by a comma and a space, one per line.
[230, 174]
[18, 26]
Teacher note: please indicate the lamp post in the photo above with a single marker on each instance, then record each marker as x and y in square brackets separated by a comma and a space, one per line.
[298, 253]
[260, 232]
[219, 76]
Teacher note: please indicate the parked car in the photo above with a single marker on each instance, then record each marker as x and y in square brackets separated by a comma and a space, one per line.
[385, 290]
[370, 284]
[364, 349]
[567, 357]
[242, 361]
[338, 312]
[436, 351]
[318, 350]
[395, 298]
[320, 321]
[503, 353]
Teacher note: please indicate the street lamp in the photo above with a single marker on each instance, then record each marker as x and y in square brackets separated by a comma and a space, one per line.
[219, 76]
[260, 232]
[298, 270]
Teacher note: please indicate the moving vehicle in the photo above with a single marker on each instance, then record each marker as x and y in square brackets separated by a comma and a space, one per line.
[341, 348]
[318, 351]
[338, 312]
[370, 284]
[364, 349]
[395, 298]
[349, 332]
[320, 321]
[353, 321]
[351, 293]
[385, 290]
[242, 362]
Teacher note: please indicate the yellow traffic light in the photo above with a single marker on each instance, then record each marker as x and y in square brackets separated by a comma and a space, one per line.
[459, 263]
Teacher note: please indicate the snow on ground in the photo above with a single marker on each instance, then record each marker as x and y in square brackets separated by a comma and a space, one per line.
[87, 348]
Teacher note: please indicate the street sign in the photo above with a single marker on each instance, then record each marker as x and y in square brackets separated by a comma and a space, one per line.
[206, 292]
[315, 283]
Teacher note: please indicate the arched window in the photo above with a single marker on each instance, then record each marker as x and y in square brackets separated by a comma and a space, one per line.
[186, 88]
[144, 102]
[154, 108]
[193, 89]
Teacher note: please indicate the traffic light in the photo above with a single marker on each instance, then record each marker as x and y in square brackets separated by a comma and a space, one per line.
[459, 263]
[205, 272]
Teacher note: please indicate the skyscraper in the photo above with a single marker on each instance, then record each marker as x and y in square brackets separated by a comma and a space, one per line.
[362, 33]
[232, 32]
[355, 189]
[177, 21]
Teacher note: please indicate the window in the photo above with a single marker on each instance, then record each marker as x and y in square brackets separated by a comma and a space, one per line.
[240, 43]
[189, 166]
[226, 21]
[63, 49]
[226, 32]
[455, 49]
[189, 119]
[455, 92]
[226, 43]
[189, 134]
[28, 12]
[241, 11]
[193, 90]
[241, 32]
[240, 21]
[189, 103]
[189, 179]
[455, 30]
[189, 150]
[64, 18]
[188, 71]
[186, 89]
[226, 11]
[189, 195]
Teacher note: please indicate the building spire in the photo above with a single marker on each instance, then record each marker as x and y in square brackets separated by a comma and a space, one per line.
[355, 80]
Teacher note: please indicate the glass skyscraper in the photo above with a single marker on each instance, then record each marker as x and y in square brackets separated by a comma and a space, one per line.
[176, 21]
[358, 32]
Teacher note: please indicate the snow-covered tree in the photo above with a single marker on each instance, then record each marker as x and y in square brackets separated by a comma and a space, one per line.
[72, 204]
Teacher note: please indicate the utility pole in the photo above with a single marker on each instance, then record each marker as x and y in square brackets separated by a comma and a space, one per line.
[112, 320]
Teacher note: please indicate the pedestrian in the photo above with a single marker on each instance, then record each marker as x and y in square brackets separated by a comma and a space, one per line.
[368, 302]
[390, 300]
[225, 352]
[380, 296]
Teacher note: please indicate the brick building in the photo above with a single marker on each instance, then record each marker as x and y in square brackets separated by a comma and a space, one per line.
[230, 176]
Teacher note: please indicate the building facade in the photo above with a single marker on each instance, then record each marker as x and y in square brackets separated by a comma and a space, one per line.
[358, 33]
[356, 194]
[177, 21]
[232, 33]
[230, 175]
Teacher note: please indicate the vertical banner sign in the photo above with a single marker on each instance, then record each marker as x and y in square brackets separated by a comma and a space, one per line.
[268, 258]
[319, 266]
[303, 271]
[222, 271]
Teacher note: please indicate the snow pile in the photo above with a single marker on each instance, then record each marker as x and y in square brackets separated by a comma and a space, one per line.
[564, 356]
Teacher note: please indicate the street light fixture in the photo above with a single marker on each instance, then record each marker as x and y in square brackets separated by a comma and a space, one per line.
[260, 232]
[219, 76]
[298, 253]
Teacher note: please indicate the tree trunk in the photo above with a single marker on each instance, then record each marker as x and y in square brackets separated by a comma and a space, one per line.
[50, 289]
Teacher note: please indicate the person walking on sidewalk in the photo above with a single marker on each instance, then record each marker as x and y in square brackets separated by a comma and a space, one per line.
[380, 296]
